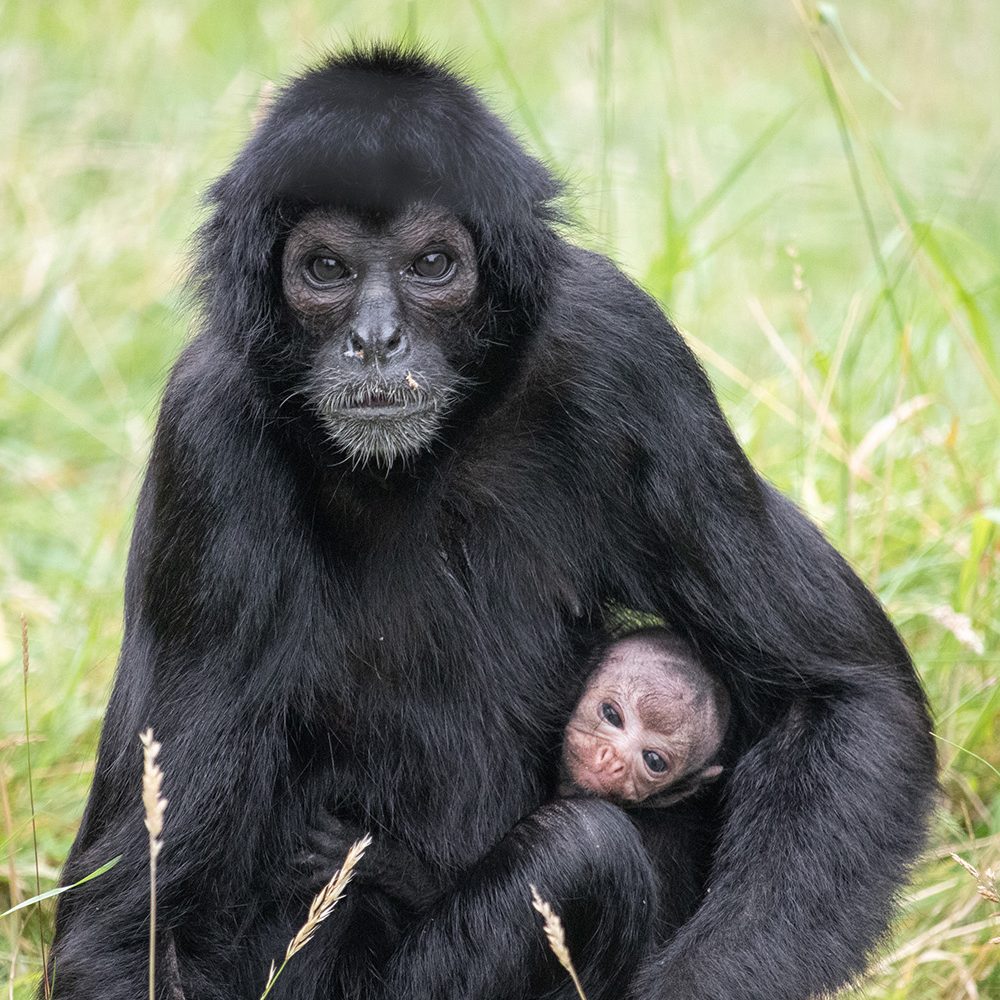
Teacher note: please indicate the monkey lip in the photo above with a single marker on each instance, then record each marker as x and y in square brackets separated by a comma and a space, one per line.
[378, 400]
[590, 779]
[374, 404]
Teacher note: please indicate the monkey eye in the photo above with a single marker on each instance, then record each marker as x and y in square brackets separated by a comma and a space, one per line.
[435, 266]
[654, 761]
[324, 270]
[611, 714]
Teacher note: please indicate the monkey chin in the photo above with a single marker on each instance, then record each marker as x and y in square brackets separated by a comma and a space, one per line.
[382, 436]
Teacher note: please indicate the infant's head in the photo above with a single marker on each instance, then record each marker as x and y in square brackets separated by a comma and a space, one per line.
[651, 717]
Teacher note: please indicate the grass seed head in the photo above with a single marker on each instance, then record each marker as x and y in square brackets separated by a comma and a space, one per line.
[555, 933]
[153, 802]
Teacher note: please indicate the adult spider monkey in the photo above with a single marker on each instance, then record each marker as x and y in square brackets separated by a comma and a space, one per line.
[419, 445]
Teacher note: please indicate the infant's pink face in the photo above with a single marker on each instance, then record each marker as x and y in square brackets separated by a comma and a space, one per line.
[639, 726]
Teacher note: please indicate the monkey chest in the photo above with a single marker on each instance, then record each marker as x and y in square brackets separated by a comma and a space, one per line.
[464, 669]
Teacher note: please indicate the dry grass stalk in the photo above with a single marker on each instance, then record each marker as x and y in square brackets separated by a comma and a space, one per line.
[154, 805]
[153, 801]
[556, 936]
[987, 884]
[960, 626]
[25, 670]
[320, 908]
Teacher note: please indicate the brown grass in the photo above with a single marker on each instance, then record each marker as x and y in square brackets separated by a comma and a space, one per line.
[154, 805]
[321, 907]
[556, 936]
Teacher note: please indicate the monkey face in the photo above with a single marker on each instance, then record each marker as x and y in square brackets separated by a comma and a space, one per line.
[387, 304]
[650, 719]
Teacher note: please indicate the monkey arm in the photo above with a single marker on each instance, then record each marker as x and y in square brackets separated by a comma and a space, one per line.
[485, 941]
[197, 666]
[827, 807]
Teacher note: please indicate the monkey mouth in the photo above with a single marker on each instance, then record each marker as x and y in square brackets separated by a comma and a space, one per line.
[381, 421]
[377, 399]
[379, 402]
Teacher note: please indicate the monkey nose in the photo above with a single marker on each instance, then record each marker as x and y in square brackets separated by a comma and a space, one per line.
[608, 762]
[377, 341]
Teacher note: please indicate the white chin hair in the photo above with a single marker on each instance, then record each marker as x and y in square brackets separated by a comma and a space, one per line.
[382, 441]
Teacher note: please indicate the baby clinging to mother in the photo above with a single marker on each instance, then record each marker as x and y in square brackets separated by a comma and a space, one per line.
[649, 725]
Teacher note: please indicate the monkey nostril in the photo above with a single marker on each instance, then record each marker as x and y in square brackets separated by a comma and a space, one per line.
[356, 344]
[394, 341]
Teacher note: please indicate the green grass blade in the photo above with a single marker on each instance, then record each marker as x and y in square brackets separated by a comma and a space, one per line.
[712, 200]
[830, 16]
[503, 63]
[59, 890]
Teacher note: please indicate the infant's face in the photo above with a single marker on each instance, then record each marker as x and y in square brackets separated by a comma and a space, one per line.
[636, 730]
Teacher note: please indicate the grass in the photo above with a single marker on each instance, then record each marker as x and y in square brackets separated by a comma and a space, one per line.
[322, 906]
[814, 194]
[154, 806]
[555, 936]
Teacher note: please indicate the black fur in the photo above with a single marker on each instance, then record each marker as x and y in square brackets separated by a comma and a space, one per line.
[405, 649]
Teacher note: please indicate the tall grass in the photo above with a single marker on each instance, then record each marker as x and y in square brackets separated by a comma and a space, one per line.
[323, 904]
[814, 193]
[154, 806]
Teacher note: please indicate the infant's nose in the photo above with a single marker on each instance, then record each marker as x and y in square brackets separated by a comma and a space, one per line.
[608, 762]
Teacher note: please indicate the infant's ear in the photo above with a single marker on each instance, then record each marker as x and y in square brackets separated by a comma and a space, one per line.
[710, 773]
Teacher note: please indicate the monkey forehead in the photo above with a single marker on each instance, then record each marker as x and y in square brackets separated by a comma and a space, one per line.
[652, 643]
[658, 675]
[664, 700]
[645, 660]
[644, 683]
[372, 128]
[417, 223]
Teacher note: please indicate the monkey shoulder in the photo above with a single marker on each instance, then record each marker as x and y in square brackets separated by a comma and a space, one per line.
[209, 382]
[606, 347]
[600, 322]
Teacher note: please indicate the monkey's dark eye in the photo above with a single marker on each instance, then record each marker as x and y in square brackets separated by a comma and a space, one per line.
[654, 761]
[610, 714]
[323, 270]
[435, 265]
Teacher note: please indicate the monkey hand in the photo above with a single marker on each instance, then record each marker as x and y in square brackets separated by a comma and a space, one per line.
[387, 867]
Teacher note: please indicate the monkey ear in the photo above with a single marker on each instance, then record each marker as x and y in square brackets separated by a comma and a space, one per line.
[710, 773]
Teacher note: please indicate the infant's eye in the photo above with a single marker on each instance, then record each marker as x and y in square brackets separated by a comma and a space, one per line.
[654, 761]
[610, 714]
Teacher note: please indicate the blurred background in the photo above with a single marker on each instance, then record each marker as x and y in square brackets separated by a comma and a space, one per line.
[812, 191]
